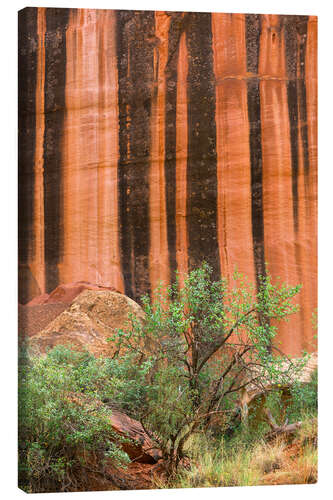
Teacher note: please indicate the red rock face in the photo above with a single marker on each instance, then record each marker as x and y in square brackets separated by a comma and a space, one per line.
[149, 141]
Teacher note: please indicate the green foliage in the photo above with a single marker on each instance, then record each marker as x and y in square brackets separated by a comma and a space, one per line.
[199, 346]
[61, 418]
[305, 396]
[298, 402]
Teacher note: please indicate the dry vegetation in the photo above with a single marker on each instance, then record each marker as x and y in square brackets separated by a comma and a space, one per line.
[242, 463]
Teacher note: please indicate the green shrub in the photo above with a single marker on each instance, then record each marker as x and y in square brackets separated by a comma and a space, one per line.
[61, 418]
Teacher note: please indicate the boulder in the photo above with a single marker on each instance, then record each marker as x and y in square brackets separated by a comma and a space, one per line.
[141, 448]
[88, 322]
[41, 310]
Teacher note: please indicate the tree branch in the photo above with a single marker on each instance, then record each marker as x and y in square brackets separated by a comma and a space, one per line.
[240, 386]
[224, 340]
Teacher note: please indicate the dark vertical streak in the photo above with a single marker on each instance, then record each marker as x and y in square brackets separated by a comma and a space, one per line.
[175, 30]
[302, 29]
[27, 67]
[135, 49]
[295, 32]
[55, 81]
[202, 157]
[123, 98]
[253, 28]
[293, 124]
[290, 36]
[257, 209]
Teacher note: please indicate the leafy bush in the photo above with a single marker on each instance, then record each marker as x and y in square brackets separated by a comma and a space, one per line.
[61, 418]
[199, 346]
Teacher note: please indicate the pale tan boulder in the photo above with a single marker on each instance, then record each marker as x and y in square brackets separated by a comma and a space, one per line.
[88, 322]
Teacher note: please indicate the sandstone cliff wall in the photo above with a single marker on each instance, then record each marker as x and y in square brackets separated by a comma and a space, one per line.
[149, 141]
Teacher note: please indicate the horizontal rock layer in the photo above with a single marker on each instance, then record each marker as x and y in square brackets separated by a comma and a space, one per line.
[149, 141]
[66, 293]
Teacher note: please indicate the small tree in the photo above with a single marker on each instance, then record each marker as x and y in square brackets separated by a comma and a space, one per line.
[199, 347]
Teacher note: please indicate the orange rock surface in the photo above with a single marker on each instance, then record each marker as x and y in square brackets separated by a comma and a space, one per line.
[149, 141]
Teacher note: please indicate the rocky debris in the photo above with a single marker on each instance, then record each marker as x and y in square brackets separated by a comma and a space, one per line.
[66, 293]
[136, 476]
[88, 322]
